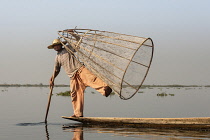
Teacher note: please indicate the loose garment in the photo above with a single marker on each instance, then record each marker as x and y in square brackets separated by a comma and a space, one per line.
[82, 79]
[80, 76]
[67, 61]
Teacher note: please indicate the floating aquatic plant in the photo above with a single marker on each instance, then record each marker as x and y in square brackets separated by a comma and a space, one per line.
[66, 93]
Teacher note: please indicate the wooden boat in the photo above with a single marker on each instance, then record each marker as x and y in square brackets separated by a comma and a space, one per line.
[201, 123]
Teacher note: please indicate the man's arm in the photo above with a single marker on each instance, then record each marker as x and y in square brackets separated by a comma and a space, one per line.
[53, 78]
[57, 68]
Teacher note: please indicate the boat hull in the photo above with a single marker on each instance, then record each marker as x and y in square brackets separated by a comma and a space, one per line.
[178, 123]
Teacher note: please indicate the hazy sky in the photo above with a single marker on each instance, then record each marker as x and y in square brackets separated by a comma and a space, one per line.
[180, 30]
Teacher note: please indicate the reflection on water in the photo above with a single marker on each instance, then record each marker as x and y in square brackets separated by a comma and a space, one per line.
[78, 130]
[140, 133]
[30, 124]
[47, 133]
[78, 133]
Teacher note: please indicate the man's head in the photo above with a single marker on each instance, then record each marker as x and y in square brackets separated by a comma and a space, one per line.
[56, 45]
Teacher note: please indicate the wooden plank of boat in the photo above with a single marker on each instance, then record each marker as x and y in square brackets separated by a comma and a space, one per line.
[188, 123]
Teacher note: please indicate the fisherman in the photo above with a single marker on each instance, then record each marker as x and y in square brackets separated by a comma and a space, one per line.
[80, 76]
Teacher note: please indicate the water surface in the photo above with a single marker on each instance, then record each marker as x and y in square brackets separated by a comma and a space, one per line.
[23, 110]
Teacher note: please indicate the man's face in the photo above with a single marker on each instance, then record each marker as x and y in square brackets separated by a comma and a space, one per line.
[58, 47]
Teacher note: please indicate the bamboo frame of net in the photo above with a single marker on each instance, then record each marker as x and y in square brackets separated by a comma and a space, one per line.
[96, 36]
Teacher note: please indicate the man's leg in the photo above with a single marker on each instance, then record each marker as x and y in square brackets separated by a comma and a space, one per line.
[77, 95]
[89, 79]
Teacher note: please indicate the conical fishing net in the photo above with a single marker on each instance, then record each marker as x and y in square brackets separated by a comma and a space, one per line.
[122, 61]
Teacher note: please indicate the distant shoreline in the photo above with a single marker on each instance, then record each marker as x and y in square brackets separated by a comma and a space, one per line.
[143, 86]
[30, 85]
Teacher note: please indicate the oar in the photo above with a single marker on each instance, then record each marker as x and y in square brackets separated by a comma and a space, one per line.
[49, 98]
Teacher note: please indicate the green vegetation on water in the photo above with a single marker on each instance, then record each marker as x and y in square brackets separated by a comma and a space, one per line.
[66, 93]
[163, 94]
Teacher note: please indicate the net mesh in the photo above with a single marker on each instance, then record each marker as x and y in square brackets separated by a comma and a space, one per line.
[122, 61]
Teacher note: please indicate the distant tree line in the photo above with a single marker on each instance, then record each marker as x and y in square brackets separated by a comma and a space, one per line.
[63, 85]
[31, 85]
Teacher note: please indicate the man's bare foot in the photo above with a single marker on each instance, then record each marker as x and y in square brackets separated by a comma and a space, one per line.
[75, 116]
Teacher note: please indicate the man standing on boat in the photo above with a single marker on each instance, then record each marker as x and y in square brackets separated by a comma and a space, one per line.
[80, 76]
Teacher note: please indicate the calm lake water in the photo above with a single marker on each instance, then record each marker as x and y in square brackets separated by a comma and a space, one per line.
[23, 111]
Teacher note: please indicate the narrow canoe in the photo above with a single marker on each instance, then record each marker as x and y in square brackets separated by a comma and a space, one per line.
[201, 123]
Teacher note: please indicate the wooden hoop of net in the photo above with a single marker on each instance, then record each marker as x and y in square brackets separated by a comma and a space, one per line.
[122, 61]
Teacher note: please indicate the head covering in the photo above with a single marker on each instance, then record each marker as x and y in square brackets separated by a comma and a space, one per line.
[56, 42]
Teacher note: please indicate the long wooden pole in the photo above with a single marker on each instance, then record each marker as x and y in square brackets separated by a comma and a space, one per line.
[49, 97]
